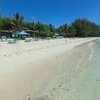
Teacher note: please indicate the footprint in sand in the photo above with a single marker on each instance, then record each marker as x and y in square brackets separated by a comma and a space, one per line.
[59, 85]
[54, 89]
[98, 80]
[28, 97]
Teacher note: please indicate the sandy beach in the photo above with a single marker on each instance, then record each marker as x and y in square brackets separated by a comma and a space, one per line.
[40, 70]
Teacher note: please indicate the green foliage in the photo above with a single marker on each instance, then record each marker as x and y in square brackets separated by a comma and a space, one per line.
[5, 23]
[85, 28]
[66, 30]
[71, 31]
[63, 30]
[52, 28]
[45, 34]
[79, 28]
[17, 22]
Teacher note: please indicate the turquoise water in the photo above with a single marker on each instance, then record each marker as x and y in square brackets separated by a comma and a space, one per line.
[89, 88]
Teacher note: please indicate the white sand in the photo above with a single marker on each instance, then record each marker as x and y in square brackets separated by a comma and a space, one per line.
[27, 68]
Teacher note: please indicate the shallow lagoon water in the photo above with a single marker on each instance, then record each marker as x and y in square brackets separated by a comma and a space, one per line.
[89, 87]
[85, 85]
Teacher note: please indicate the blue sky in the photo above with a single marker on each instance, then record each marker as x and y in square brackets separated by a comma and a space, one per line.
[56, 12]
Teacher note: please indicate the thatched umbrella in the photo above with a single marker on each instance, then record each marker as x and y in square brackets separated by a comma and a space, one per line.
[6, 33]
[31, 32]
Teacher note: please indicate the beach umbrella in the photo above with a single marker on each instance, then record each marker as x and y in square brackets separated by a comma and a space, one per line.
[22, 33]
[16, 34]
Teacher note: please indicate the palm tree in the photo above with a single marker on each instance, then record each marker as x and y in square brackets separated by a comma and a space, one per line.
[17, 22]
[52, 28]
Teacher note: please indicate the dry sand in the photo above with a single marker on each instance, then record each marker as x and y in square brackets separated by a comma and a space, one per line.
[39, 70]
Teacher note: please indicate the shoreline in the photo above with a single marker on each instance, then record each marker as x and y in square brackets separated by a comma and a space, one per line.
[60, 85]
[29, 71]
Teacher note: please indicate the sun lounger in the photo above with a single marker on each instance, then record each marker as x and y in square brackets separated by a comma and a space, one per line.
[11, 41]
[3, 39]
[28, 39]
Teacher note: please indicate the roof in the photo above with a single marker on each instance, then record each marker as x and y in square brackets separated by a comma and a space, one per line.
[5, 31]
[31, 31]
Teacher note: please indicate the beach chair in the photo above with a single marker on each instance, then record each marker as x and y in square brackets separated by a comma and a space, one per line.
[3, 39]
[28, 39]
[11, 41]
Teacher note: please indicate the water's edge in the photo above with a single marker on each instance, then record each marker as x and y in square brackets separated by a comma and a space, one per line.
[69, 85]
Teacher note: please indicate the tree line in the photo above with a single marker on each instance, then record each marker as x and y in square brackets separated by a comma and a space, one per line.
[78, 28]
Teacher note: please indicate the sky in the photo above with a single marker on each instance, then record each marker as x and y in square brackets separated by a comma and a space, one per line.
[56, 12]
